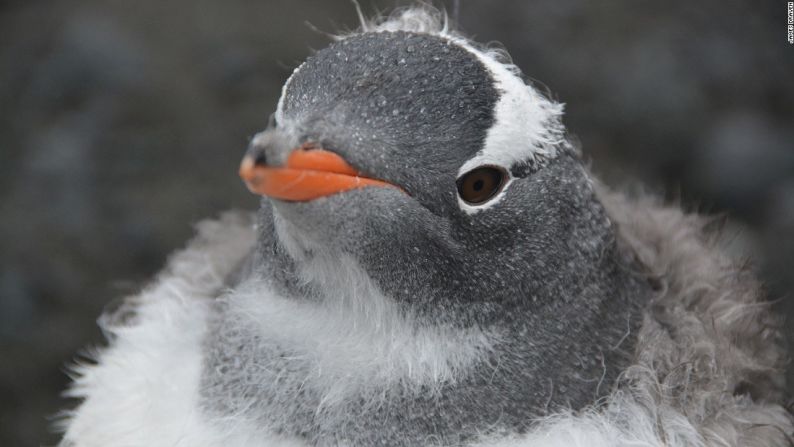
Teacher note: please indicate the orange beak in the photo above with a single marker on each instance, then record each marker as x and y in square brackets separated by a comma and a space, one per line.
[308, 174]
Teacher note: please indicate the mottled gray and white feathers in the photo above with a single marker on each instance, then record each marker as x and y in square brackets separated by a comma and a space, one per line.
[554, 313]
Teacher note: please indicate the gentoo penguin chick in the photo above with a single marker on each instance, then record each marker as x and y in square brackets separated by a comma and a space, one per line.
[432, 264]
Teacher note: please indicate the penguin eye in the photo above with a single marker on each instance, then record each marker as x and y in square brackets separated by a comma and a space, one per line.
[478, 185]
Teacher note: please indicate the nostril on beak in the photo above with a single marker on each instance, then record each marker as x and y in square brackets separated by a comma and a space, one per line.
[260, 159]
[256, 154]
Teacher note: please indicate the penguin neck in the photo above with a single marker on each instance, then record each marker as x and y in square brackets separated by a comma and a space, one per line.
[336, 312]
[588, 328]
[324, 349]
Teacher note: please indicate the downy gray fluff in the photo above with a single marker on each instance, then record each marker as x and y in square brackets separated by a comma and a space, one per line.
[305, 329]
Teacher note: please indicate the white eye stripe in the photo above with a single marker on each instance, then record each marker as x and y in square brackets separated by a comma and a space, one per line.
[527, 126]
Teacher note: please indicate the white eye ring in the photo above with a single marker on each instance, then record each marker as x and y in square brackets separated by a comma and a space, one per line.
[482, 187]
[481, 184]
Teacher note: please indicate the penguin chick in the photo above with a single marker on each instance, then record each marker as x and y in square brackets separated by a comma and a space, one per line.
[431, 264]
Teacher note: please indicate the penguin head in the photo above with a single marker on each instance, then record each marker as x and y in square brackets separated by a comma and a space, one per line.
[433, 164]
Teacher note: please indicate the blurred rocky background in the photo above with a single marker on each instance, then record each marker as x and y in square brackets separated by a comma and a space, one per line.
[122, 122]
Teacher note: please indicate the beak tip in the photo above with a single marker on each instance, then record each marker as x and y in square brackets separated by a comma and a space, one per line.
[247, 171]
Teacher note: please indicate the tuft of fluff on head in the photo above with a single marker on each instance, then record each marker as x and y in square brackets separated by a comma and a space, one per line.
[423, 19]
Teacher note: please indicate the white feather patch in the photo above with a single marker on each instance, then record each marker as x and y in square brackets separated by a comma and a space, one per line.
[143, 389]
[356, 337]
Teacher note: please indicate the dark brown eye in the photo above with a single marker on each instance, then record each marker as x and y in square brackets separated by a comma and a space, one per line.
[479, 185]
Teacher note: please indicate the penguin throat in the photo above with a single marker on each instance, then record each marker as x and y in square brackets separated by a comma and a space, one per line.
[345, 331]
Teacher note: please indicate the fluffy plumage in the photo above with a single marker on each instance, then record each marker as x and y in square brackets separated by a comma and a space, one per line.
[705, 372]
[310, 329]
